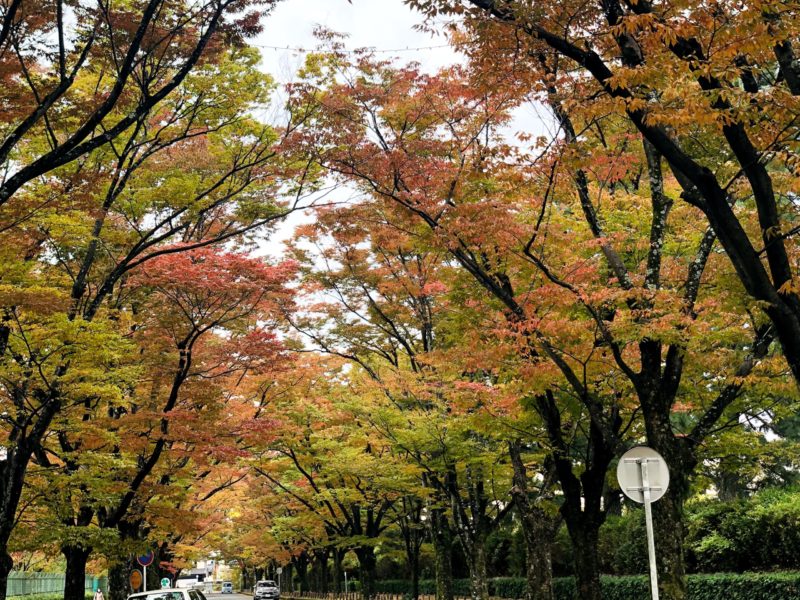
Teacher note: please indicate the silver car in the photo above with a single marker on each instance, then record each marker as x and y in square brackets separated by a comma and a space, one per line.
[266, 590]
[169, 594]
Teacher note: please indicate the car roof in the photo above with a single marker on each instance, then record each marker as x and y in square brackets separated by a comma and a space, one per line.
[142, 594]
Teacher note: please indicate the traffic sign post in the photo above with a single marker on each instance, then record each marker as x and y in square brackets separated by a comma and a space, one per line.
[643, 477]
[145, 560]
[135, 579]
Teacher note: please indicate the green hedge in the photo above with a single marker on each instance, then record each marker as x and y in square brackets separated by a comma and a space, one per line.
[50, 596]
[722, 586]
[760, 533]
[427, 587]
[748, 586]
[757, 534]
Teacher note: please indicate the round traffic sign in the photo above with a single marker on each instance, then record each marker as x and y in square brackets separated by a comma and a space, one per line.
[146, 559]
[165, 582]
[136, 579]
[630, 475]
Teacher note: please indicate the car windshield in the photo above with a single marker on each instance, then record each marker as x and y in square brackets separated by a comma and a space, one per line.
[161, 596]
[267, 584]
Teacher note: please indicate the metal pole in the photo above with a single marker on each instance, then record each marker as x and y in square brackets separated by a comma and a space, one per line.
[648, 518]
[144, 568]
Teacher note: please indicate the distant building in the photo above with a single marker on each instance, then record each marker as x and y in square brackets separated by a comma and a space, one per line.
[191, 577]
[208, 571]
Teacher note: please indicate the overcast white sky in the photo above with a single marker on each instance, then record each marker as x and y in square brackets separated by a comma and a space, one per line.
[379, 24]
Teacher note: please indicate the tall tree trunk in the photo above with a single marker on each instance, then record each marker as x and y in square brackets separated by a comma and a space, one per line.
[478, 578]
[252, 578]
[587, 564]
[412, 530]
[538, 525]
[338, 557]
[118, 587]
[668, 518]
[244, 577]
[538, 536]
[367, 565]
[582, 506]
[75, 577]
[287, 579]
[14, 466]
[668, 525]
[6, 564]
[414, 569]
[442, 536]
[321, 570]
[301, 566]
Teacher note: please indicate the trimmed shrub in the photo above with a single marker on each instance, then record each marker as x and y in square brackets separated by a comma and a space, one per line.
[624, 588]
[507, 587]
[747, 586]
[50, 596]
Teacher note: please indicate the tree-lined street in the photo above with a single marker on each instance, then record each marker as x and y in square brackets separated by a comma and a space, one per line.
[390, 328]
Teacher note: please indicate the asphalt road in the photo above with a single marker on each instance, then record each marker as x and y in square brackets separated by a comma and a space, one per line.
[216, 596]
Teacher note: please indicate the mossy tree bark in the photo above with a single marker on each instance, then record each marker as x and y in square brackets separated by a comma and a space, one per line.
[442, 536]
[367, 565]
[540, 521]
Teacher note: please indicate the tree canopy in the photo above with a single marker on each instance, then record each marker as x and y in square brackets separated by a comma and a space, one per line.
[461, 340]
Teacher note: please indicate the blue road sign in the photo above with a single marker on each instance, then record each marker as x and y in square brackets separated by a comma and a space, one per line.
[146, 559]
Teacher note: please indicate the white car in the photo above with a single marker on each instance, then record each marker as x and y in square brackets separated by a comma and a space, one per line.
[266, 589]
[169, 594]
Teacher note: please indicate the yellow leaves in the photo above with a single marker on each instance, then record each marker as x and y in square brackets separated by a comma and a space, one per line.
[633, 23]
[635, 104]
[790, 287]
[668, 35]
[39, 299]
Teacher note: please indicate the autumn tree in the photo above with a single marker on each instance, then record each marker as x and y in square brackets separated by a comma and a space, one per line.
[597, 316]
[77, 76]
[725, 75]
[128, 202]
[388, 310]
[184, 301]
[586, 515]
[336, 471]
